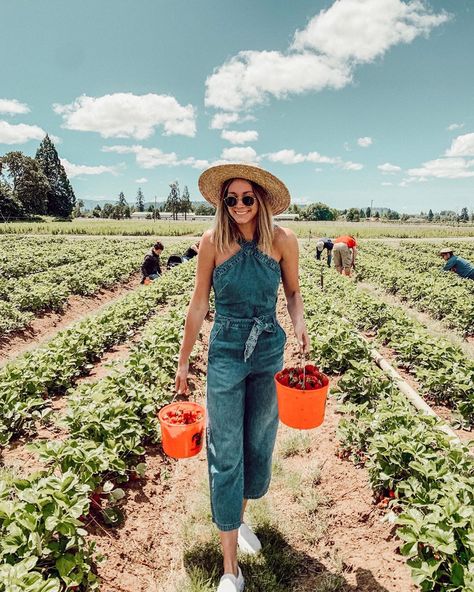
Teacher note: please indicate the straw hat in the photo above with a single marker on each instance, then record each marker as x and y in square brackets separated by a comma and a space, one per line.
[320, 245]
[212, 179]
[445, 251]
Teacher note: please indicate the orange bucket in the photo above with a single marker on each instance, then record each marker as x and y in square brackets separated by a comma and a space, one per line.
[303, 409]
[185, 440]
[147, 281]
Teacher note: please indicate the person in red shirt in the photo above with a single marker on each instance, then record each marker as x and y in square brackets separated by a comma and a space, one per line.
[344, 254]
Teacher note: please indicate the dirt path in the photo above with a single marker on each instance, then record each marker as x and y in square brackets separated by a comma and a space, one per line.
[45, 326]
[318, 520]
[435, 327]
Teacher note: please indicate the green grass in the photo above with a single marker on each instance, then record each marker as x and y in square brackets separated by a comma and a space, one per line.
[195, 228]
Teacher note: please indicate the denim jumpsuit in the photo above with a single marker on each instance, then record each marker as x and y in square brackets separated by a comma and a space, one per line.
[245, 351]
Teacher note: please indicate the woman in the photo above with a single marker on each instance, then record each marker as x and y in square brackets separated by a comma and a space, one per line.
[243, 258]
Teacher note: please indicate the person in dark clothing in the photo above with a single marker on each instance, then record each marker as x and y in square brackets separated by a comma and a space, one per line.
[191, 252]
[321, 244]
[151, 267]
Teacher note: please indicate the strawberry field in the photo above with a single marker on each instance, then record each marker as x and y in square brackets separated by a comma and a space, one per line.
[88, 501]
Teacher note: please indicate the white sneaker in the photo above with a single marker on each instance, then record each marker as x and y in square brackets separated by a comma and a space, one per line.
[230, 583]
[248, 541]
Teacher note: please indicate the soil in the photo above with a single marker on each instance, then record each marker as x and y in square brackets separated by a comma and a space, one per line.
[45, 326]
[443, 412]
[145, 553]
[435, 327]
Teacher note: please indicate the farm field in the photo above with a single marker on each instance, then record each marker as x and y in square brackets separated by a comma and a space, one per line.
[378, 499]
[94, 226]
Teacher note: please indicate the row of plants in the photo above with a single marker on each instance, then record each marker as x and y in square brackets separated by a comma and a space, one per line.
[25, 255]
[28, 382]
[445, 375]
[44, 518]
[104, 266]
[423, 257]
[424, 479]
[445, 296]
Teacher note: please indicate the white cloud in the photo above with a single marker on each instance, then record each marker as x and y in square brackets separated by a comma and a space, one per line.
[289, 156]
[386, 183]
[323, 55]
[462, 146]
[347, 148]
[359, 31]
[455, 126]
[251, 77]
[13, 107]
[240, 154]
[445, 168]
[389, 169]
[19, 133]
[141, 180]
[351, 166]
[125, 115]
[149, 158]
[222, 120]
[236, 137]
[74, 170]
[365, 142]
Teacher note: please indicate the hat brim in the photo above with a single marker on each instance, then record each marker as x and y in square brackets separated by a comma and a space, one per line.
[211, 181]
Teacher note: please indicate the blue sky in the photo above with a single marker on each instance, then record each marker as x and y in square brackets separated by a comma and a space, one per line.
[348, 102]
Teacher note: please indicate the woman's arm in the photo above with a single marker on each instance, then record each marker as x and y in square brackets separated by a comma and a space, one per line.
[288, 247]
[197, 309]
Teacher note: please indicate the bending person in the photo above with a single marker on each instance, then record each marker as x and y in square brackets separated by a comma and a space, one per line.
[457, 264]
[344, 253]
[151, 266]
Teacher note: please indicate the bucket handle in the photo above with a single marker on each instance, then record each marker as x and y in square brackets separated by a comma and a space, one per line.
[303, 364]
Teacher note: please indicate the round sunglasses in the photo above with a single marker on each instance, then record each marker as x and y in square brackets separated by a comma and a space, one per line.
[231, 201]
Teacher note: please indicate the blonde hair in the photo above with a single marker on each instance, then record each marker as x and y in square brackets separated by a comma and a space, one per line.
[226, 230]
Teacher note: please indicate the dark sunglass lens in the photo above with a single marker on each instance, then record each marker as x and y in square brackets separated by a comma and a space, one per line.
[230, 201]
[248, 200]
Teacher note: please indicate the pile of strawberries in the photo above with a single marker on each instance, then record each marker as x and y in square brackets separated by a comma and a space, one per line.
[182, 417]
[309, 379]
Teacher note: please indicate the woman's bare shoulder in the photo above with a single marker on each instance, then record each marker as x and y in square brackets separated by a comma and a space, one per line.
[284, 237]
[207, 239]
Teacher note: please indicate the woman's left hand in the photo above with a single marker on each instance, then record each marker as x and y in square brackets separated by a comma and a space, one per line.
[302, 336]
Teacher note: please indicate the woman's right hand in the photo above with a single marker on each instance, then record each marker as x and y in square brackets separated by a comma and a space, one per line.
[181, 383]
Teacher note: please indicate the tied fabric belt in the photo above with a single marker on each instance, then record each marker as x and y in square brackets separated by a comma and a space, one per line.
[266, 323]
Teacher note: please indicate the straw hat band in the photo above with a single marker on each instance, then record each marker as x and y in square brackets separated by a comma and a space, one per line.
[212, 179]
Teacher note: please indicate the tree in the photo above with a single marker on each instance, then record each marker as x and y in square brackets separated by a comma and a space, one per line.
[377, 215]
[61, 198]
[97, 211]
[28, 183]
[368, 212]
[393, 215]
[430, 215]
[353, 215]
[77, 208]
[140, 200]
[10, 209]
[204, 209]
[464, 217]
[119, 210]
[318, 211]
[185, 202]
[173, 202]
[361, 213]
[107, 210]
